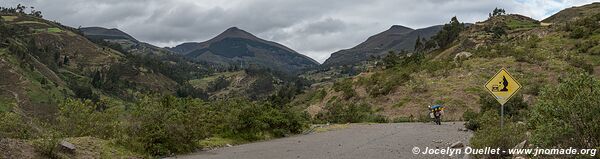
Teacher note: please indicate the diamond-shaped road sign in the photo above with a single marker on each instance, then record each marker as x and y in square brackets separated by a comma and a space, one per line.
[502, 86]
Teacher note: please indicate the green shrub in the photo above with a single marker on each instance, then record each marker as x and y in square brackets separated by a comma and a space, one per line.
[594, 50]
[471, 119]
[492, 135]
[578, 32]
[256, 121]
[566, 114]
[345, 86]
[14, 126]
[47, 144]
[340, 112]
[515, 108]
[319, 95]
[382, 83]
[168, 125]
[85, 118]
[581, 63]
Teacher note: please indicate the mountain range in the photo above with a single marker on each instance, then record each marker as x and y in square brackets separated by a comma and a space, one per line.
[236, 47]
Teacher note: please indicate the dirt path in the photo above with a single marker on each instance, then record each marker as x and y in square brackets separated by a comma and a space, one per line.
[357, 141]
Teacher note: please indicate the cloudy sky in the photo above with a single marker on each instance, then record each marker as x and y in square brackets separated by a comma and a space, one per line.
[315, 28]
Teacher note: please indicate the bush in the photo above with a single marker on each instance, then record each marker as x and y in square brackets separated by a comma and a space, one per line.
[340, 112]
[85, 118]
[168, 125]
[492, 135]
[566, 115]
[515, 108]
[345, 86]
[471, 117]
[47, 144]
[252, 121]
[14, 126]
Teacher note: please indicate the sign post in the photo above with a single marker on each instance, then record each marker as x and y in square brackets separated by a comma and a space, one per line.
[502, 86]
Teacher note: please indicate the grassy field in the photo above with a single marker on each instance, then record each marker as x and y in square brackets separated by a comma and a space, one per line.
[9, 18]
[518, 24]
[31, 22]
[49, 30]
[203, 82]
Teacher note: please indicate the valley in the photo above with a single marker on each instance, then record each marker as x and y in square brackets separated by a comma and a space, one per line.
[237, 95]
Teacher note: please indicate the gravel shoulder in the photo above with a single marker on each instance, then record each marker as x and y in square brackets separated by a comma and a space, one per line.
[393, 140]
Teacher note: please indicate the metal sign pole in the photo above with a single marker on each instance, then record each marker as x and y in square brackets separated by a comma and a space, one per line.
[502, 116]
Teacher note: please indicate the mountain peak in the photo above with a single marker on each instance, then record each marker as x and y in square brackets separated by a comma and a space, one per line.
[400, 29]
[235, 32]
[233, 29]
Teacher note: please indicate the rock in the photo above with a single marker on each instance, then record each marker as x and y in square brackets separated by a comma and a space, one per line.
[463, 129]
[67, 147]
[462, 56]
[466, 156]
[521, 145]
[228, 145]
[457, 144]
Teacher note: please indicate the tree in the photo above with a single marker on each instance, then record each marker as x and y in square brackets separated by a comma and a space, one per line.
[449, 33]
[66, 60]
[391, 59]
[20, 8]
[418, 44]
[498, 11]
[97, 79]
[498, 30]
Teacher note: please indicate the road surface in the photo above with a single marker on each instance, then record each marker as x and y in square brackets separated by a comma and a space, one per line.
[358, 141]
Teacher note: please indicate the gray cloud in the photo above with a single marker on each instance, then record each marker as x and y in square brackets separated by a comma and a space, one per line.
[315, 28]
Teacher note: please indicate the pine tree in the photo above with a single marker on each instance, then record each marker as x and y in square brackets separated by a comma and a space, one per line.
[418, 44]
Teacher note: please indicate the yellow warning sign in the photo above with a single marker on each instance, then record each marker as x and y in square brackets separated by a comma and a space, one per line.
[502, 86]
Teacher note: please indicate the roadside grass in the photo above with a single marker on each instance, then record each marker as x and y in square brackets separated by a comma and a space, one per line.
[403, 119]
[90, 147]
[325, 128]
[216, 142]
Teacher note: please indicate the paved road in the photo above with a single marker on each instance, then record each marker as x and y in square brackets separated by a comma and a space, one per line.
[357, 141]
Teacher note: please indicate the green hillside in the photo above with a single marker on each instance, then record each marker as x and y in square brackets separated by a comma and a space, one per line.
[403, 86]
[59, 85]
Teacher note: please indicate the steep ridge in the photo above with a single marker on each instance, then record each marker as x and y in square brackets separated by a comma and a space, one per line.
[397, 38]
